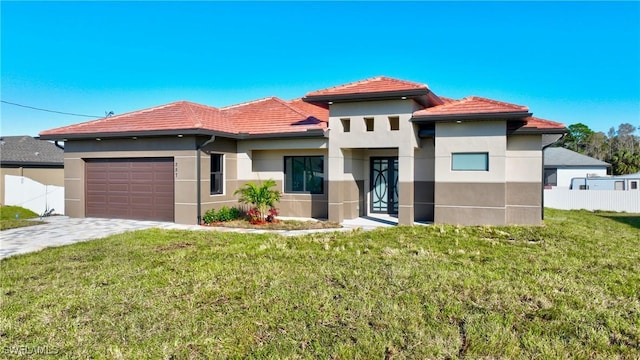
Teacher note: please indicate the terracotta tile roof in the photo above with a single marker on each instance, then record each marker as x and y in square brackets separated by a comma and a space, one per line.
[471, 105]
[264, 116]
[446, 100]
[373, 85]
[319, 111]
[178, 115]
[270, 115]
[537, 123]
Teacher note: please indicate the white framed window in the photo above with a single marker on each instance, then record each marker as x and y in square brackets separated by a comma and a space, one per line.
[217, 178]
[470, 161]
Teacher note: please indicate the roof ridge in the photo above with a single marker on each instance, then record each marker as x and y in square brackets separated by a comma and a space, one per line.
[475, 97]
[186, 107]
[297, 110]
[364, 81]
[247, 103]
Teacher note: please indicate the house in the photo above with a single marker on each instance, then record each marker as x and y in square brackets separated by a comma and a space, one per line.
[561, 165]
[379, 145]
[39, 160]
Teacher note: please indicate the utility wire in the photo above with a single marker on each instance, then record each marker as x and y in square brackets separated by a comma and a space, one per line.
[51, 111]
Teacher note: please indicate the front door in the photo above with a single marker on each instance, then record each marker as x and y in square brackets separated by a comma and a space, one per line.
[384, 185]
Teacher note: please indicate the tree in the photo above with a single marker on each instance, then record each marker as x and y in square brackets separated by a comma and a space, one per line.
[261, 197]
[625, 136]
[597, 146]
[577, 136]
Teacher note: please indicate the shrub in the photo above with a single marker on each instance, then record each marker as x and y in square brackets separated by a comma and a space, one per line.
[222, 215]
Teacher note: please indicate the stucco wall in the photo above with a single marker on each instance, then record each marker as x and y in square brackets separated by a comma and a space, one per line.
[260, 160]
[524, 179]
[470, 197]
[181, 149]
[509, 192]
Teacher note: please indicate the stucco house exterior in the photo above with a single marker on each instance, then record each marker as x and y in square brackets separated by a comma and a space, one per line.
[380, 145]
[561, 165]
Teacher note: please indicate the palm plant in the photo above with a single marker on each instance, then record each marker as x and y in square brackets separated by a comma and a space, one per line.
[260, 196]
[625, 162]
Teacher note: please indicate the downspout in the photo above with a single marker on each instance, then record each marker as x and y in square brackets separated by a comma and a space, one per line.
[542, 188]
[198, 177]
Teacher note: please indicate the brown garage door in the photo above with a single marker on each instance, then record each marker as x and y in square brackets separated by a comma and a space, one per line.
[140, 188]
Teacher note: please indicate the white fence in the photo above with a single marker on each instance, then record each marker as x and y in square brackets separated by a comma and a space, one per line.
[30, 194]
[608, 200]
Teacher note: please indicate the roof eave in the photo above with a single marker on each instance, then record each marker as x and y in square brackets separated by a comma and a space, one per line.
[382, 95]
[470, 117]
[183, 132]
[283, 135]
[129, 134]
[533, 131]
[32, 163]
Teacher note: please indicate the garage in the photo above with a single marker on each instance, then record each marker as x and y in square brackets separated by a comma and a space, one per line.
[131, 188]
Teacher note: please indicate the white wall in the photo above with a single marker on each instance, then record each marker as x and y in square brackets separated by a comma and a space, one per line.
[30, 194]
[566, 174]
[606, 200]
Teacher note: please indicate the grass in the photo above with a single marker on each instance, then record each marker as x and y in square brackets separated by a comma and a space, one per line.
[568, 289]
[12, 217]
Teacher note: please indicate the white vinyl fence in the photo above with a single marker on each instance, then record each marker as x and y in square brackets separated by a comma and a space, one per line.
[608, 200]
[30, 194]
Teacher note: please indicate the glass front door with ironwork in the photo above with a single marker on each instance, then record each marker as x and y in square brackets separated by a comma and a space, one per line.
[384, 185]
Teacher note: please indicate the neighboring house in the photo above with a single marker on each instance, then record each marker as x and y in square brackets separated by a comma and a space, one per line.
[561, 165]
[39, 160]
[379, 145]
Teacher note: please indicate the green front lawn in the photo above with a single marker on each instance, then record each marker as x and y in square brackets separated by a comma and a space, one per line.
[12, 217]
[569, 289]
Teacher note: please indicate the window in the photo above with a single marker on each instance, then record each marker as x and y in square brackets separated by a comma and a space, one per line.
[634, 185]
[470, 161]
[304, 174]
[368, 123]
[394, 123]
[217, 180]
[346, 125]
[618, 185]
[551, 177]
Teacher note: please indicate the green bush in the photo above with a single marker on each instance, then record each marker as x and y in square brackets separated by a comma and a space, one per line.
[222, 215]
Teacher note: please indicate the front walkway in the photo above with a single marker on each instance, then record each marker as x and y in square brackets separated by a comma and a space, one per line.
[62, 230]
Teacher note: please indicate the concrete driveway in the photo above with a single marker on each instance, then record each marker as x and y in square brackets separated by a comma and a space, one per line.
[62, 230]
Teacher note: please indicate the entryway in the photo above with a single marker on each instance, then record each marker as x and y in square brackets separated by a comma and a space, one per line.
[384, 185]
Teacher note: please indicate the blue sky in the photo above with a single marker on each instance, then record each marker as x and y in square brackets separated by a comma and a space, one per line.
[568, 61]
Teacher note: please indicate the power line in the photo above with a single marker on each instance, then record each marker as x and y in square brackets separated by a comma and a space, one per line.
[47, 110]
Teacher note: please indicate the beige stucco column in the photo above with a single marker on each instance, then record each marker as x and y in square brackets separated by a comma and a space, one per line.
[335, 169]
[405, 184]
